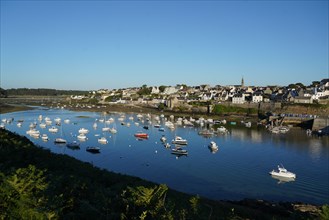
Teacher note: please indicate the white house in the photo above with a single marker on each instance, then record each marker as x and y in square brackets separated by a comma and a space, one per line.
[155, 90]
[256, 98]
[238, 99]
[170, 90]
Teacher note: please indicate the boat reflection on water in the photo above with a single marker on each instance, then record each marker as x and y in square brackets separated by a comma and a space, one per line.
[282, 180]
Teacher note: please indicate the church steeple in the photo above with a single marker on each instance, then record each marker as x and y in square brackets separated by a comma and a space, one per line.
[242, 82]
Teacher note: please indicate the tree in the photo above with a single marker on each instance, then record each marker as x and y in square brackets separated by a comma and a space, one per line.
[142, 201]
[144, 90]
[22, 195]
[162, 88]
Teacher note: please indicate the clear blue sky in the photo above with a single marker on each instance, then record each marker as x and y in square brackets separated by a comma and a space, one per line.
[118, 44]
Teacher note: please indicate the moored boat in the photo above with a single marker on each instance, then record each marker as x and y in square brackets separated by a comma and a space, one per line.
[93, 149]
[102, 140]
[179, 151]
[179, 140]
[44, 137]
[60, 141]
[53, 129]
[83, 131]
[73, 145]
[283, 172]
[141, 135]
[213, 146]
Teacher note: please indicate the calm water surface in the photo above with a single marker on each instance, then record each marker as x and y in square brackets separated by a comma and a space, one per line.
[239, 169]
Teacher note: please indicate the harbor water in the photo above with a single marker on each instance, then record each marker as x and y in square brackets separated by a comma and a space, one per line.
[239, 169]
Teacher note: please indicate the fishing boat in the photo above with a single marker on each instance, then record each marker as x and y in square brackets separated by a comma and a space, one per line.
[141, 135]
[93, 149]
[283, 172]
[179, 140]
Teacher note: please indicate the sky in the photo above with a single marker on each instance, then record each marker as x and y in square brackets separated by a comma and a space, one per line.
[88, 45]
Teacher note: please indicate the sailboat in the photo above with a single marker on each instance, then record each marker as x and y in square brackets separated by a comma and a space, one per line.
[60, 140]
[105, 127]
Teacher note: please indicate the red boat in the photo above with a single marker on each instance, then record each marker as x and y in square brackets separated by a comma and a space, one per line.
[141, 135]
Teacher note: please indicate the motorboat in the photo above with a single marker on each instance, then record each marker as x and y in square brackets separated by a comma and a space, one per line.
[60, 141]
[141, 135]
[102, 140]
[213, 146]
[167, 145]
[206, 133]
[179, 151]
[53, 129]
[73, 145]
[163, 139]
[113, 130]
[44, 137]
[82, 137]
[282, 172]
[93, 150]
[83, 131]
[67, 121]
[105, 129]
[179, 140]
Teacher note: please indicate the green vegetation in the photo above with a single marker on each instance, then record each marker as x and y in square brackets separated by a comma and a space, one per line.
[40, 92]
[144, 90]
[223, 109]
[324, 215]
[37, 184]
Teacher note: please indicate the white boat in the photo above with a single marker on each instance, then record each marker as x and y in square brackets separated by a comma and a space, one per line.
[42, 125]
[83, 131]
[248, 124]
[53, 129]
[60, 141]
[163, 139]
[282, 172]
[106, 129]
[179, 140]
[48, 122]
[102, 140]
[67, 121]
[95, 125]
[222, 130]
[33, 132]
[44, 137]
[82, 137]
[113, 130]
[57, 119]
[213, 146]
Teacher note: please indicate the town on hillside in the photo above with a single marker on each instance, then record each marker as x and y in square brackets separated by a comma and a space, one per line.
[171, 96]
